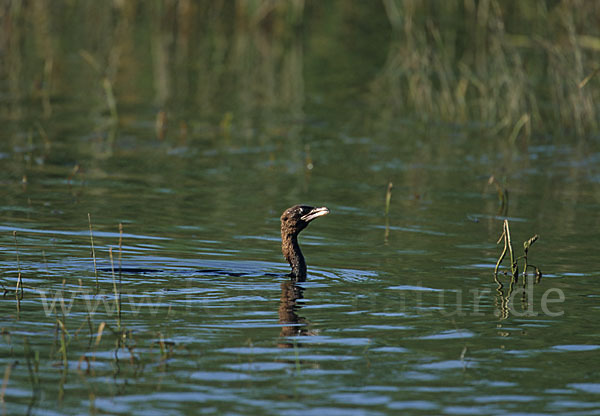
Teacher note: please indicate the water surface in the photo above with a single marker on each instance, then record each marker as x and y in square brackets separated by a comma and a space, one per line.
[400, 313]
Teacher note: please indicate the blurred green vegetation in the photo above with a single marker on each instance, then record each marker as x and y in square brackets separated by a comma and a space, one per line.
[508, 64]
[509, 68]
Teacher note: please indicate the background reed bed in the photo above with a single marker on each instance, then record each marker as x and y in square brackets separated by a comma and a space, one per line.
[510, 67]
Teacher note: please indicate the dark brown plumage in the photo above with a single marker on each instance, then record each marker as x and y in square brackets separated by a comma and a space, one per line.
[294, 220]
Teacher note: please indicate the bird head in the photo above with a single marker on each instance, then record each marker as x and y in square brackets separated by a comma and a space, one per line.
[297, 218]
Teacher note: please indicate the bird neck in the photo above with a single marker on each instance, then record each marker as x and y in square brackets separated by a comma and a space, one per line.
[293, 255]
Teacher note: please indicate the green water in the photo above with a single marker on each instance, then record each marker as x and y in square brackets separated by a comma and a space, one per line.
[400, 313]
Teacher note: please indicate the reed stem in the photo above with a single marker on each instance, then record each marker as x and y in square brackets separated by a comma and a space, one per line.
[93, 250]
[19, 287]
[116, 291]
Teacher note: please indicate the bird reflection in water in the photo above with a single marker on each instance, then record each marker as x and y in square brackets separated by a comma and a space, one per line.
[292, 324]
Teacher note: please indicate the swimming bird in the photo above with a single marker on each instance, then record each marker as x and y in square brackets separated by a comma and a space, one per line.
[294, 220]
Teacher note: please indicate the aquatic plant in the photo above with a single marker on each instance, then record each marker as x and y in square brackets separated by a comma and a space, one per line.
[502, 191]
[508, 247]
[493, 63]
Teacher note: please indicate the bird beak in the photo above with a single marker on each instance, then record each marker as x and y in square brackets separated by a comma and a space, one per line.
[314, 213]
